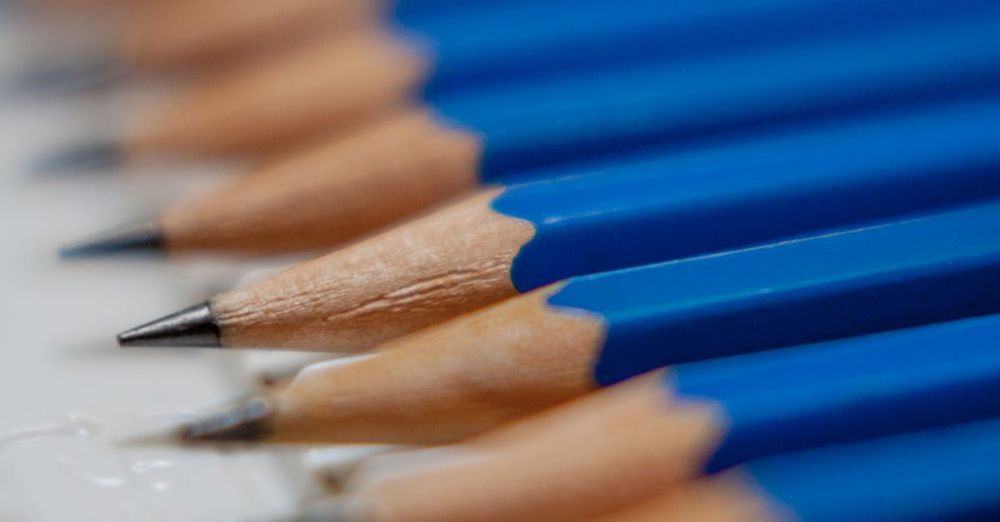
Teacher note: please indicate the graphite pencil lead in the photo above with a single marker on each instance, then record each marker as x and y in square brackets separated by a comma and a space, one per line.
[247, 421]
[193, 327]
[140, 238]
[91, 156]
[81, 72]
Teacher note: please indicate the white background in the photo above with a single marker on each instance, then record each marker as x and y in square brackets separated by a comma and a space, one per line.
[66, 390]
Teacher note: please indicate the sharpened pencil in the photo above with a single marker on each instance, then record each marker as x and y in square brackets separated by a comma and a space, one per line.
[501, 243]
[346, 187]
[651, 435]
[185, 36]
[549, 346]
[536, 124]
[150, 37]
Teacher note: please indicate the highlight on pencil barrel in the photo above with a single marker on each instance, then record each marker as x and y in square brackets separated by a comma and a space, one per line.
[500, 243]
[653, 434]
[561, 342]
[668, 100]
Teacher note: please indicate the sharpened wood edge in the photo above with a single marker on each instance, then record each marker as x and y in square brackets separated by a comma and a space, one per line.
[585, 459]
[186, 32]
[448, 263]
[329, 85]
[447, 383]
[333, 192]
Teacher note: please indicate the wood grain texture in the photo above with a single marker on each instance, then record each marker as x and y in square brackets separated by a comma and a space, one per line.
[446, 383]
[589, 458]
[321, 87]
[726, 498]
[182, 32]
[418, 274]
[333, 192]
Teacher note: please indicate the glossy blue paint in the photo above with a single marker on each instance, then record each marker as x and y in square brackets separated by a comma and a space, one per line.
[843, 391]
[752, 191]
[486, 42]
[895, 275]
[574, 118]
[947, 475]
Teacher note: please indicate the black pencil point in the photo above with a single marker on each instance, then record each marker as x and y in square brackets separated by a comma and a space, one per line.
[247, 421]
[194, 327]
[141, 238]
[92, 156]
[86, 70]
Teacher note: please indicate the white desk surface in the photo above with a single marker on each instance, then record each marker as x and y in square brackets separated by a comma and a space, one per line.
[64, 385]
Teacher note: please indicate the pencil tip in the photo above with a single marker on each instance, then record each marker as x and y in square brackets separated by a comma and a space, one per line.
[76, 72]
[140, 238]
[193, 327]
[247, 421]
[92, 156]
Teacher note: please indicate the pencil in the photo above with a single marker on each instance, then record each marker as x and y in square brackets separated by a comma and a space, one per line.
[946, 474]
[184, 32]
[650, 435]
[271, 211]
[151, 38]
[532, 352]
[148, 36]
[341, 189]
[165, 32]
[524, 125]
[501, 243]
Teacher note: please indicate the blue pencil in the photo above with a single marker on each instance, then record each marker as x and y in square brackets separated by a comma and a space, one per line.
[405, 165]
[570, 119]
[329, 85]
[490, 43]
[568, 339]
[653, 434]
[502, 243]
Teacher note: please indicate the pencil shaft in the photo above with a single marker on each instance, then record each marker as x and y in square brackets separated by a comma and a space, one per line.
[548, 346]
[466, 257]
[843, 391]
[945, 474]
[558, 37]
[588, 232]
[519, 474]
[492, 45]
[321, 182]
[772, 186]
[577, 118]
[918, 270]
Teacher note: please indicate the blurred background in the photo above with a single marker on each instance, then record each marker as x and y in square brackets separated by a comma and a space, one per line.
[66, 389]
